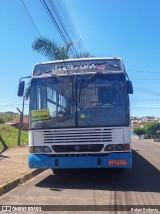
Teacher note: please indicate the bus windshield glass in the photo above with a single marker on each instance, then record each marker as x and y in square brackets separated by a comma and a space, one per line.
[79, 101]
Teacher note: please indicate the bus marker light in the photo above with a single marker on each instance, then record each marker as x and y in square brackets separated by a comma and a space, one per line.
[126, 146]
[117, 162]
[31, 149]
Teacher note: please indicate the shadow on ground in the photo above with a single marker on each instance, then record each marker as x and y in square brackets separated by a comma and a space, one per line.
[143, 177]
[3, 156]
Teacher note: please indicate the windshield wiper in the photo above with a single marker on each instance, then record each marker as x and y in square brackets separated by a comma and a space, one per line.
[89, 78]
[61, 79]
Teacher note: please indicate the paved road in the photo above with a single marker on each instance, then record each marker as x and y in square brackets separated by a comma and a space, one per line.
[139, 186]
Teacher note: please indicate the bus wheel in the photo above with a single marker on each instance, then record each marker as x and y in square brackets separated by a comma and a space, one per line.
[57, 171]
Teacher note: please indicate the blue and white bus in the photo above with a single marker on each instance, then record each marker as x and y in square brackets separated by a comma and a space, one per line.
[79, 114]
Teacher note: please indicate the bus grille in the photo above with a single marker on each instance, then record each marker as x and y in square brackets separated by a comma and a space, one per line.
[78, 148]
[65, 136]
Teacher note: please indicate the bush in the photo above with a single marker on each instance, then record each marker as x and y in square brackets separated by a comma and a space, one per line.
[139, 131]
[6, 117]
[10, 135]
[151, 129]
[1, 121]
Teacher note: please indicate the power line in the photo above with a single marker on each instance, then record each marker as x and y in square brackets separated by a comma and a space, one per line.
[53, 20]
[145, 79]
[48, 11]
[143, 71]
[6, 100]
[145, 108]
[31, 17]
[68, 18]
[59, 19]
[13, 105]
[71, 24]
[147, 92]
[147, 83]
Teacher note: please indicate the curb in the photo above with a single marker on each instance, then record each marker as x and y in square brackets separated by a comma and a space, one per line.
[11, 185]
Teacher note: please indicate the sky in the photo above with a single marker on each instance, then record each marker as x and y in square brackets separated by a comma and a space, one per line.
[124, 28]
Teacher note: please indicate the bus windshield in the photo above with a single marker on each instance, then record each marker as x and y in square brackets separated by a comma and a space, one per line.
[79, 101]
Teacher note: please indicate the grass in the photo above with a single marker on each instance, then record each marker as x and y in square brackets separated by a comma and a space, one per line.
[10, 135]
[5, 117]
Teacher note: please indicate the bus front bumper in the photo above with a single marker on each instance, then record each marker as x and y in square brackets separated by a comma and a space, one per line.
[111, 160]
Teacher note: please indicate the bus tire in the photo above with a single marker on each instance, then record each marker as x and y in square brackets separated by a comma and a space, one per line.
[57, 171]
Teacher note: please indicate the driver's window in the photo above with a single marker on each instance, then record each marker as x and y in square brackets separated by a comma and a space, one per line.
[51, 101]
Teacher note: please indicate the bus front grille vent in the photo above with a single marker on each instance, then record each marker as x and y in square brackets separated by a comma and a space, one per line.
[77, 136]
[78, 148]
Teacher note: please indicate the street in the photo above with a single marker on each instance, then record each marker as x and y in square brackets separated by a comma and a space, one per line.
[138, 186]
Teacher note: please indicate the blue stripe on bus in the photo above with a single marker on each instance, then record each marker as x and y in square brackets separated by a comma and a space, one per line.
[42, 161]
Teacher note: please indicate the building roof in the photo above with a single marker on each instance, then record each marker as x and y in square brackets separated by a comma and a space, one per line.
[16, 121]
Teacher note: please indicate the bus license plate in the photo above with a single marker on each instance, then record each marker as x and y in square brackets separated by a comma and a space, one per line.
[117, 162]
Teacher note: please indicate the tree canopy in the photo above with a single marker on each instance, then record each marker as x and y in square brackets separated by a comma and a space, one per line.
[149, 129]
[53, 51]
[139, 130]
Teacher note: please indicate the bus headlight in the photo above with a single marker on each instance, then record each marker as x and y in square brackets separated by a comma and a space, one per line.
[41, 149]
[37, 149]
[119, 147]
[47, 149]
[109, 148]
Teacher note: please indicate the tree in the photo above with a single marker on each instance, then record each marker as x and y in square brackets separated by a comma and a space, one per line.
[151, 129]
[139, 131]
[55, 52]
[1, 121]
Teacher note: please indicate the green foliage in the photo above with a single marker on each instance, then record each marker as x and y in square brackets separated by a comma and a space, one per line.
[151, 128]
[83, 55]
[5, 117]
[139, 130]
[10, 135]
[46, 47]
[56, 52]
[1, 121]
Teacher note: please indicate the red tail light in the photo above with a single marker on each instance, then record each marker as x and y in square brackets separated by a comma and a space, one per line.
[126, 147]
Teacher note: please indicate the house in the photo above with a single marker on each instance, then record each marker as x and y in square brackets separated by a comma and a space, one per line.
[15, 122]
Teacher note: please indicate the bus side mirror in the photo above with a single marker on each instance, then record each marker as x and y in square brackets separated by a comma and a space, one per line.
[129, 87]
[21, 88]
